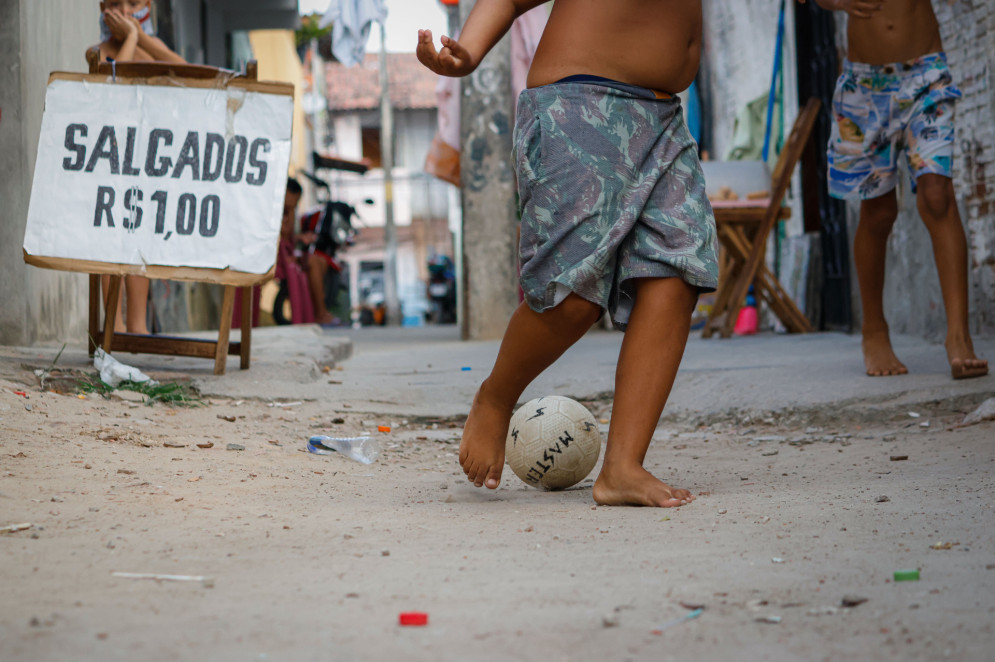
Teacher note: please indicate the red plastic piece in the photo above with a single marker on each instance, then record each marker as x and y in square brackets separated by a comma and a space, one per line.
[414, 618]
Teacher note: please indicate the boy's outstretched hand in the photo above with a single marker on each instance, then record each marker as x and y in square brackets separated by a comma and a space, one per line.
[452, 60]
[855, 8]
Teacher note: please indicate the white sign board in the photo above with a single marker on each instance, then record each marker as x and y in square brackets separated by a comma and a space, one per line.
[157, 175]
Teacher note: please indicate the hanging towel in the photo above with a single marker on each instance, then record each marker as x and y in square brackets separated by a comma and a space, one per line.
[351, 22]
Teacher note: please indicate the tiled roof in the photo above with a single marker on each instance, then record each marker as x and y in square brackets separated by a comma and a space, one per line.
[358, 87]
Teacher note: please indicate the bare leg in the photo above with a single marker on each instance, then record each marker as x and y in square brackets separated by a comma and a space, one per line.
[316, 270]
[531, 343]
[647, 365]
[938, 209]
[105, 283]
[137, 296]
[870, 247]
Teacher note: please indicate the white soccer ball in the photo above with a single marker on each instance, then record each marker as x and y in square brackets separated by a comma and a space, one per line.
[553, 442]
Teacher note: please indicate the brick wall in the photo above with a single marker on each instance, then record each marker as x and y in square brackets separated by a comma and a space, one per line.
[968, 30]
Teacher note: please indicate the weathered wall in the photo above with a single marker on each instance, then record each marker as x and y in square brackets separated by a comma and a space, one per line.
[739, 53]
[36, 38]
[913, 302]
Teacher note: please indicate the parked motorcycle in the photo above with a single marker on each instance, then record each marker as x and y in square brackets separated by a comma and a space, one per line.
[442, 289]
[331, 226]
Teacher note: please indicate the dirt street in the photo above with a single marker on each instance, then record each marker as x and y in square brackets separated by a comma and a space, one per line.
[790, 548]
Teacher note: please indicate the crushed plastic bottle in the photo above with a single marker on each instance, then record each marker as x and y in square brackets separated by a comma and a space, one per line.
[364, 450]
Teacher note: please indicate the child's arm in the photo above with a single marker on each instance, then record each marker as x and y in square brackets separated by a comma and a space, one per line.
[855, 8]
[487, 23]
[157, 49]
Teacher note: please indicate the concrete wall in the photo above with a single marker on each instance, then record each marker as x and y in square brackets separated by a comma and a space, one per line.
[739, 53]
[36, 38]
[913, 303]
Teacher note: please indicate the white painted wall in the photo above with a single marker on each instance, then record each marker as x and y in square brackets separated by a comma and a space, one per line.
[36, 38]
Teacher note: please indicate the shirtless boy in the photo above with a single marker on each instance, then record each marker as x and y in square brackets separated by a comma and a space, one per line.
[125, 37]
[614, 216]
[896, 95]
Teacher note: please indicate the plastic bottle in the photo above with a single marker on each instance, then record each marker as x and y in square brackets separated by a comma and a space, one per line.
[747, 321]
[365, 450]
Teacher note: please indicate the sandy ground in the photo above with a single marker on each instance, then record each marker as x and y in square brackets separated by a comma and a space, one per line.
[312, 557]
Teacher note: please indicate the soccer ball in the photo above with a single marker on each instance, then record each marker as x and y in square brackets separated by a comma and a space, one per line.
[553, 442]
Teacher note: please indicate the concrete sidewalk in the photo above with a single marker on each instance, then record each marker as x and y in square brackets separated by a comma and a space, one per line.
[423, 373]
[429, 373]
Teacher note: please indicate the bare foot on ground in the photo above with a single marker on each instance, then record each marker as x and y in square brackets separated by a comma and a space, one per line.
[637, 487]
[964, 364]
[481, 451]
[879, 357]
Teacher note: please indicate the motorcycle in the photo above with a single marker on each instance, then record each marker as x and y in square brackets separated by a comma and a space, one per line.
[442, 289]
[331, 226]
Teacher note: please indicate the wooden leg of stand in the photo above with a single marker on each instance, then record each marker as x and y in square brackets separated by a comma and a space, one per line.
[110, 312]
[227, 307]
[93, 328]
[247, 312]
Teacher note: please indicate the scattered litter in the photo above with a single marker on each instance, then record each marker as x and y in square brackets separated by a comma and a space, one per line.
[113, 372]
[984, 412]
[412, 618]
[364, 450]
[13, 528]
[944, 545]
[774, 620]
[914, 414]
[850, 601]
[235, 447]
[821, 611]
[777, 560]
[208, 582]
[383, 428]
[23, 394]
[898, 458]
[924, 424]
[677, 621]
[603, 421]
[882, 499]
[722, 511]
[465, 368]
[907, 575]
[692, 605]
[609, 620]
[285, 404]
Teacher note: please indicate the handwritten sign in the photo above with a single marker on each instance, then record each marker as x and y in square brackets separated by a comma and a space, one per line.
[158, 175]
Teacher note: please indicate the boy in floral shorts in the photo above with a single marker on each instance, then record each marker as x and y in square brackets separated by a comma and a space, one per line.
[896, 96]
[614, 217]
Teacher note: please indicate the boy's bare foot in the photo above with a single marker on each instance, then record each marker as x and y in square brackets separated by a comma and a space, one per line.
[879, 357]
[637, 487]
[481, 451]
[963, 362]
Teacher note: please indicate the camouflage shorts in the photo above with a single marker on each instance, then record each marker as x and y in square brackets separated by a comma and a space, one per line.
[610, 190]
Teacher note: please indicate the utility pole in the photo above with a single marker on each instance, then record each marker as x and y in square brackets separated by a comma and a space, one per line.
[391, 300]
[490, 225]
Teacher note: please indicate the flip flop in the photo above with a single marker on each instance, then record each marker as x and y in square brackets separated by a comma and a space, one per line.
[959, 371]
